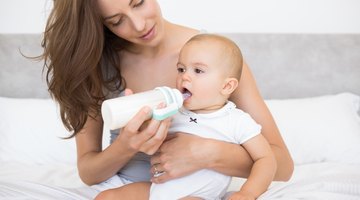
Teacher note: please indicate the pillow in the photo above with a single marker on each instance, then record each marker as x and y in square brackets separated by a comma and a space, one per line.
[31, 132]
[317, 129]
[320, 129]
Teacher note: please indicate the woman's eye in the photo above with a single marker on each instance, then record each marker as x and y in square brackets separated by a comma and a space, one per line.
[139, 3]
[117, 23]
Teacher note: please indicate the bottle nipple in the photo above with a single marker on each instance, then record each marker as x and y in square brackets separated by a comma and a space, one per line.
[186, 95]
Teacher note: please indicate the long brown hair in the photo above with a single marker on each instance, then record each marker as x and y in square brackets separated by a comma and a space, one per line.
[81, 61]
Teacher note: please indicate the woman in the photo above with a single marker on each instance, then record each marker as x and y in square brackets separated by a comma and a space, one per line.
[93, 49]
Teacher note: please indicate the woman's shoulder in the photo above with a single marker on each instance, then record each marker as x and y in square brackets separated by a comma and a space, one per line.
[183, 33]
[177, 36]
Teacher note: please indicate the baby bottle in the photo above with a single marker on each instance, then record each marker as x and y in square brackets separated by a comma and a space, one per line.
[118, 111]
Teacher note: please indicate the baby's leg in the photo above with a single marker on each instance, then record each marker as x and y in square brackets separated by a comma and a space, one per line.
[132, 191]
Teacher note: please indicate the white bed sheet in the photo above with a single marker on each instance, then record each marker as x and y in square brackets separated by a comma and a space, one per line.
[330, 181]
[58, 181]
[318, 181]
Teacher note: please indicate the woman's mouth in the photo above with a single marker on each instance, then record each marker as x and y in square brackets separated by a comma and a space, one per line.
[149, 35]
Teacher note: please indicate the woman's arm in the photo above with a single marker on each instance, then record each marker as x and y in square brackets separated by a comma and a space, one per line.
[184, 153]
[95, 165]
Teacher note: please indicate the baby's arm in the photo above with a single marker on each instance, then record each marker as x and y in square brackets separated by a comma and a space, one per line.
[262, 172]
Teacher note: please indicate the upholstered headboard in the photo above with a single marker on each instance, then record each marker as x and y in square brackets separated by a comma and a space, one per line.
[302, 65]
[284, 65]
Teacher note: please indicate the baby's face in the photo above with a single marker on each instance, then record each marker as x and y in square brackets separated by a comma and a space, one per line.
[200, 76]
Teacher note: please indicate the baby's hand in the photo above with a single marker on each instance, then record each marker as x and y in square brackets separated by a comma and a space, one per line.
[241, 195]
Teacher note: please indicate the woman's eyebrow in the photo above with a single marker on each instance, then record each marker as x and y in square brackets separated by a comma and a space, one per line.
[111, 16]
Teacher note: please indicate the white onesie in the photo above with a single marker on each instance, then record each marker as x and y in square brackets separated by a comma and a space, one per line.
[227, 124]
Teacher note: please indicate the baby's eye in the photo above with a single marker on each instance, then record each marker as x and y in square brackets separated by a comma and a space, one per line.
[180, 70]
[198, 71]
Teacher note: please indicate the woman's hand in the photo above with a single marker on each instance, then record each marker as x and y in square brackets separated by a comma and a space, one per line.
[142, 133]
[181, 154]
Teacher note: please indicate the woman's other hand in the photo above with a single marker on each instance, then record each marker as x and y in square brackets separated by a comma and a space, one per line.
[181, 154]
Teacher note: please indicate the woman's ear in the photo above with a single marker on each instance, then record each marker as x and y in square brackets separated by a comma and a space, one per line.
[230, 85]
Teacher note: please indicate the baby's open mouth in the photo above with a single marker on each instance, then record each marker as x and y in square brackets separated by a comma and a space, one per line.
[186, 93]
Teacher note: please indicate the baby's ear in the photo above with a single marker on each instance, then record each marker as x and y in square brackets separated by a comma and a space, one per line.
[230, 85]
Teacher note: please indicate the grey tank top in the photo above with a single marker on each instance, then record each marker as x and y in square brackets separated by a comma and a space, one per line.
[138, 168]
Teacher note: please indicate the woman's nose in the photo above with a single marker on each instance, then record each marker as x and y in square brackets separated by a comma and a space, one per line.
[138, 22]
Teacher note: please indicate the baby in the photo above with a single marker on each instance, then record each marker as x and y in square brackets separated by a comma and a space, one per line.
[209, 70]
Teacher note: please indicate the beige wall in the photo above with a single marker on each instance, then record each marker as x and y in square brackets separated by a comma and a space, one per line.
[249, 16]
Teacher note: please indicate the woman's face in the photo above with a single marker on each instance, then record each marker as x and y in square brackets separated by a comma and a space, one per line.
[137, 21]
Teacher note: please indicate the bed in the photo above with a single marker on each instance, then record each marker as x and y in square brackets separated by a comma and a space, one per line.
[311, 83]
